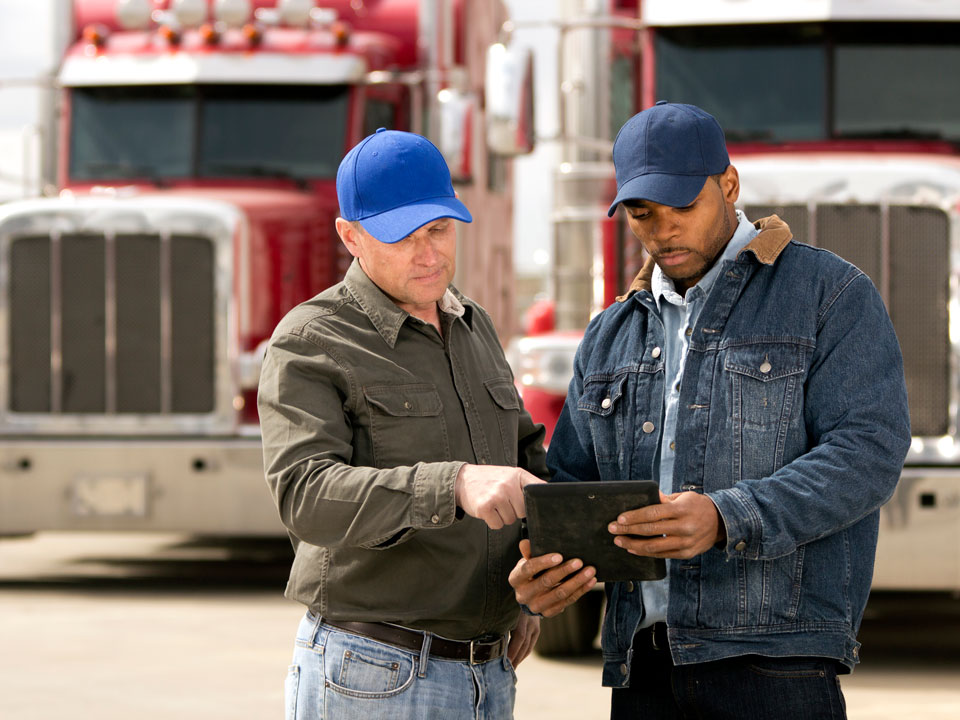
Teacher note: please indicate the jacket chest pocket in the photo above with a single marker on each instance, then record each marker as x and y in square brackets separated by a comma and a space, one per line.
[765, 383]
[603, 399]
[406, 424]
[507, 410]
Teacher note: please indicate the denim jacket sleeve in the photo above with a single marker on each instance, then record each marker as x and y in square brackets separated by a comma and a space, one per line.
[858, 428]
[570, 456]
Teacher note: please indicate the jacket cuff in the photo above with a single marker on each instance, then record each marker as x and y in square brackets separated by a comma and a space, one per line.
[434, 494]
[742, 523]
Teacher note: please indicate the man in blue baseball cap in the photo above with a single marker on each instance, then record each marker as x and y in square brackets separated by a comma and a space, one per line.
[396, 448]
[760, 383]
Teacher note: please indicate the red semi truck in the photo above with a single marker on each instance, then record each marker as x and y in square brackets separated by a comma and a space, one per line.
[198, 147]
[843, 118]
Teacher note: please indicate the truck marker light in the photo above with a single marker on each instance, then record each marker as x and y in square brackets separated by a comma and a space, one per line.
[95, 35]
[341, 33]
[209, 34]
[170, 34]
[252, 33]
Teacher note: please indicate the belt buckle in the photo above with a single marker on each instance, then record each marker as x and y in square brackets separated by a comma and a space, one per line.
[476, 643]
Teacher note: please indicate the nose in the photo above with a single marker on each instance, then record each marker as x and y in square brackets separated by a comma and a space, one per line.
[662, 227]
[424, 253]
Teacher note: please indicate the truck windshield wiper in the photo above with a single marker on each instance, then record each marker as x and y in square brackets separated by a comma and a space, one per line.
[903, 133]
[735, 135]
[122, 171]
[259, 171]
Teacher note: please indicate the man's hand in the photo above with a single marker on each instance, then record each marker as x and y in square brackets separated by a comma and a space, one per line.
[493, 493]
[682, 526]
[522, 638]
[543, 585]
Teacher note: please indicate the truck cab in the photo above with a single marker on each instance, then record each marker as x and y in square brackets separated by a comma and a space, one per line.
[198, 149]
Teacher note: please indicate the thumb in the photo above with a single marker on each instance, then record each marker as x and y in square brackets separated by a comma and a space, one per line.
[527, 478]
[525, 549]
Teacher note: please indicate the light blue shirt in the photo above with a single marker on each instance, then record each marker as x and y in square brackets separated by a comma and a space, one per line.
[679, 316]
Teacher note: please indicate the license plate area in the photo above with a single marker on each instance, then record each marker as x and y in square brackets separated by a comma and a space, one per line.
[110, 495]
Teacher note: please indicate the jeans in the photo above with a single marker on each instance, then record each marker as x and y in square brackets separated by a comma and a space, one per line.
[750, 687]
[337, 675]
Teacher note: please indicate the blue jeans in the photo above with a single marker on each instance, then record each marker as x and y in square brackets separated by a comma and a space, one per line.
[750, 687]
[337, 675]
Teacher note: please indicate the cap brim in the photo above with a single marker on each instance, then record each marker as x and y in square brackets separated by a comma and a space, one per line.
[394, 225]
[672, 190]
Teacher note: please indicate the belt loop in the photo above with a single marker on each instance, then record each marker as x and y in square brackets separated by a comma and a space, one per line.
[425, 654]
[317, 621]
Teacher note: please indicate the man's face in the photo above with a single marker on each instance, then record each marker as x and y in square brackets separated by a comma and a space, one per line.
[686, 241]
[415, 271]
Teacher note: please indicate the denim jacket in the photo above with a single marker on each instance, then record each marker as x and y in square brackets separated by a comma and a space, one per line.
[793, 419]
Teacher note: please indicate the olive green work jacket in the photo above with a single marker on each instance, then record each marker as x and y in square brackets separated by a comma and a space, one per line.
[367, 415]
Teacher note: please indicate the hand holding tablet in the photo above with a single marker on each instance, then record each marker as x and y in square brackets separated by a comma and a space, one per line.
[572, 519]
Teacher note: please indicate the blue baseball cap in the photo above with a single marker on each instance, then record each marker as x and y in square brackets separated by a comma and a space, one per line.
[666, 153]
[394, 182]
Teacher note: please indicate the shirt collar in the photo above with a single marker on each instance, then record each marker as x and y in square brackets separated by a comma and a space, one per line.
[386, 317]
[662, 286]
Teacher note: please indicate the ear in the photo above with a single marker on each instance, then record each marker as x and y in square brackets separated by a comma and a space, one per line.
[349, 236]
[730, 184]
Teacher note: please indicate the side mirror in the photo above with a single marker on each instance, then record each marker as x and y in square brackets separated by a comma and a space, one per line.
[458, 113]
[509, 100]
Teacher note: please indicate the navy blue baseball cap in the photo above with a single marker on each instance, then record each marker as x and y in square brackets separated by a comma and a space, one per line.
[666, 153]
[394, 182]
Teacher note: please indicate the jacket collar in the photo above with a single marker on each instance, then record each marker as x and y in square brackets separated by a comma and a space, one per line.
[766, 247]
[386, 317]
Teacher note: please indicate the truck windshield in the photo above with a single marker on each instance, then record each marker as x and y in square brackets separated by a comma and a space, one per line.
[182, 131]
[820, 81]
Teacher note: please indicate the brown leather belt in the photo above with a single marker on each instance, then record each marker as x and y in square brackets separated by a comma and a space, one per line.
[475, 652]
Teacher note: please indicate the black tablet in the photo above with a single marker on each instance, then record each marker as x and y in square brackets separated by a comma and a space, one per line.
[571, 518]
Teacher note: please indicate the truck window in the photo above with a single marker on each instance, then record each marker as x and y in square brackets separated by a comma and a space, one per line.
[816, 81]
[762, 83]
[251, 131]
[132, 132]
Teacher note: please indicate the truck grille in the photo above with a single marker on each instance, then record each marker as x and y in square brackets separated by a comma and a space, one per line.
[905, 251]
[111, 324]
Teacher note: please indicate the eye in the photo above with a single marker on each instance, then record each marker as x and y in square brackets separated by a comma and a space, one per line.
[639, 215]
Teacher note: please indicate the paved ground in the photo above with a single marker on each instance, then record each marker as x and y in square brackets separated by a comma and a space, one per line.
[159, 627]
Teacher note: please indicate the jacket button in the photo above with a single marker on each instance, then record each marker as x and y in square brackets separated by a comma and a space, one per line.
[648, 427]
[623, 669]
[766, 367]
[606, 403]
[655, 353]
[630, 586]
[435, 519]
[740, 546]
[407, 405]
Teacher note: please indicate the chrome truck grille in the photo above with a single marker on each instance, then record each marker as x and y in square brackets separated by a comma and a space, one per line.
[111, 324]
[905, 251]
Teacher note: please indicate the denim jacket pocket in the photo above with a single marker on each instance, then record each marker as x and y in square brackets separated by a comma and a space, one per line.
[765, 383]
[504, 394]
[601, 400]
[405, 419]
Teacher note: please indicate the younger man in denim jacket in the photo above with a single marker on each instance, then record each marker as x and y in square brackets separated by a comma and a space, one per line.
[760, 382]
